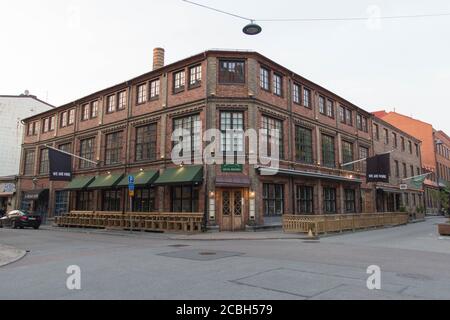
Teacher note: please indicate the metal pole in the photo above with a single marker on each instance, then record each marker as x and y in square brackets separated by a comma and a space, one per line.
[421, 175]
[71, 154]
[131, 210]
[361, 160]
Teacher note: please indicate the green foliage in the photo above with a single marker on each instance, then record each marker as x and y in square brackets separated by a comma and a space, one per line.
[402, 209]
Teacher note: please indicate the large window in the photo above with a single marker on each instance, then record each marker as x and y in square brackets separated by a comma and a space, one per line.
[347, 154]
[328, 154]
[264, 79]
[85, 201]
[278, 85]
[111, 104]
[232, 132]
[141, 93]
[61, 202]
[231, 71]
[329, 200]
[122, 100]
[330, 108]
[376, 131]
[144, 200]
[273, 199]
[154, 89]
[268, 125]
[195, 76]
[29, 162]
[296, 93]
[179, 80]
[394, 140]
[361, 123]
[63, 119]
[191, 135]
[349, 117]
[322, 105]
[303, 145]
[85, 112]
[66, 147]
[350, 203]
[87, 151]
[185, 199]
[363, 154]
[306, 97]
[113, 148]
[94, 109]
[43, 162]
[111, 200]
[341, 114]
[305, 200]
[71, 117]
[146, 142]
[397, 169]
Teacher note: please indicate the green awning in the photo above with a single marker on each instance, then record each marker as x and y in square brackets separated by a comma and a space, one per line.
[107, 181]
[140, 178]
[184, 175]
[80, 183]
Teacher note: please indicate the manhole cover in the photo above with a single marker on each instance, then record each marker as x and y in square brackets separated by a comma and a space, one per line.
[178, 245]
[207, 253]
[201, 255]
[414, 276]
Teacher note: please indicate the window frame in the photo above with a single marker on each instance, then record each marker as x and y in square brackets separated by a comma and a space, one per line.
[227, 80]
[178, 81]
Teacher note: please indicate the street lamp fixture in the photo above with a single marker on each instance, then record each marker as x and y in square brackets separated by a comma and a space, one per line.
[252, 29]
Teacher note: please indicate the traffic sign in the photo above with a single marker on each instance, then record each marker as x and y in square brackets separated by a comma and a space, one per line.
[131, 193]
[130, 179]
[403, 186]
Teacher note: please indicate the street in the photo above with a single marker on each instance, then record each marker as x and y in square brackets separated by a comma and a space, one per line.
[414, 264]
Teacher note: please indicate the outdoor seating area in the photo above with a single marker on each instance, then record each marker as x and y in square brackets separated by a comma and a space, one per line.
[152, 222]
[323, 224]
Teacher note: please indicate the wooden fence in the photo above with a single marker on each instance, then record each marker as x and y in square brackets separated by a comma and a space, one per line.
[322, 224]
[159, 222]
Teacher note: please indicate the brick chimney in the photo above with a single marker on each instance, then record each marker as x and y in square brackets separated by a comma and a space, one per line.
[158, 58]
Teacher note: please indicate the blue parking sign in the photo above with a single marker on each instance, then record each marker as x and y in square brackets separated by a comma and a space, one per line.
[131, 183]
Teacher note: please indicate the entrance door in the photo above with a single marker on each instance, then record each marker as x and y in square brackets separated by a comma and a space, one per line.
[232, 209]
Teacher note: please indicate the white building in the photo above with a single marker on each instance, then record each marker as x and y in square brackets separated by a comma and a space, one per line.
[12, 110]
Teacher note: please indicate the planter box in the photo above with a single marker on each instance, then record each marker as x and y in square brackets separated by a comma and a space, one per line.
[444, 229]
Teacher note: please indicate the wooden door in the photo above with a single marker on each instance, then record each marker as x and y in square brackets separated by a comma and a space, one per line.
[232, 209]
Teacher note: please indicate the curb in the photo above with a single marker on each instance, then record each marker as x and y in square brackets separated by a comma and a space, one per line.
[13, 255]
[176, 237]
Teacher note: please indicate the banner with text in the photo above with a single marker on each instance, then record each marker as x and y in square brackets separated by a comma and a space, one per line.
[60, 166]
[379, 168]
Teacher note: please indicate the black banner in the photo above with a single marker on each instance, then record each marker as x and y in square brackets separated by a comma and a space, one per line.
[60, 166]
[379, 168]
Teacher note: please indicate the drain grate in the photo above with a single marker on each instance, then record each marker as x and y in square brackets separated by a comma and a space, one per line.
[201, 255]
[178, 245]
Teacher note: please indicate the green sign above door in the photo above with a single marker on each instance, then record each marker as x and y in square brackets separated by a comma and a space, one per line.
[232, 168]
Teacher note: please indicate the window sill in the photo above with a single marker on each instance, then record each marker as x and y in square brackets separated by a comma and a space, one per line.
[195, 86]
[177, 91]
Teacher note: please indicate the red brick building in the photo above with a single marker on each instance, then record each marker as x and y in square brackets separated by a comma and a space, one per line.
[127, 128]
[406, 163]
[435, 153]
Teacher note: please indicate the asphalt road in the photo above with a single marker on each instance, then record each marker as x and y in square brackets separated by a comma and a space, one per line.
[414, 262]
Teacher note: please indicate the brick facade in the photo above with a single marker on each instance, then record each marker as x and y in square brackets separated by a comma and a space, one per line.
[208, 99]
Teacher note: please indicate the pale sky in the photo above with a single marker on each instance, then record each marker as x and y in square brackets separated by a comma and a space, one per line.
[63, 50]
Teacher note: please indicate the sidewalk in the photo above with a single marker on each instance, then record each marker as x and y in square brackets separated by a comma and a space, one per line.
[9, 255]
[207, 236]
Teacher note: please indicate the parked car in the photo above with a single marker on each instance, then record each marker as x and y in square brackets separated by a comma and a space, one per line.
[20, 219]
